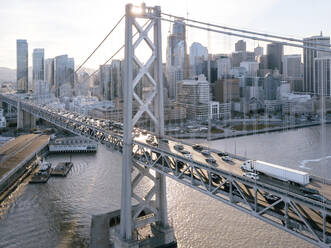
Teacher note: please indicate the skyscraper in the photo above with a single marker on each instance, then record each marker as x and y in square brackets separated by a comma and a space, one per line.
[308, 59]
[60, 63]
[117, 74]
[275, 52]
[198, 54]
[322, 76]
[38, 65]
[177, 58]
[240, 46]
[49, 72]
[22, 65]
[258, 51]
[64, 75]
[292, 65]
[107, 90]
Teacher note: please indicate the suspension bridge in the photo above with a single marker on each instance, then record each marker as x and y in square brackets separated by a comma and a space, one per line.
[280, 204]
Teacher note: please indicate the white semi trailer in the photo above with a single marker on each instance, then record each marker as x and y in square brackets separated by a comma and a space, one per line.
[276, 171]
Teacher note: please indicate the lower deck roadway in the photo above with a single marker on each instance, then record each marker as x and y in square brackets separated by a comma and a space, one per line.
[23, 151]
[234, 167]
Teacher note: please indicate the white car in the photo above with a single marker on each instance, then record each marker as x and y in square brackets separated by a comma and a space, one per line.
[251, 175]
[187, 155]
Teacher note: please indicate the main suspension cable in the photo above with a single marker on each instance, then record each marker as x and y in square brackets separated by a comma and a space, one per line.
[104, 39]
[246, 31]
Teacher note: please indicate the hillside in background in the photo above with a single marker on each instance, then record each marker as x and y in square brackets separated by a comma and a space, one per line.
[7, 74]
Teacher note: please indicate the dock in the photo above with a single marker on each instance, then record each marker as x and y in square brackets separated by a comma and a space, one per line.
[72, 144]
[17, 155]
[62, 169]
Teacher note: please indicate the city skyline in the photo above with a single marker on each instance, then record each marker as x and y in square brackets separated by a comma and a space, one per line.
[79, 34]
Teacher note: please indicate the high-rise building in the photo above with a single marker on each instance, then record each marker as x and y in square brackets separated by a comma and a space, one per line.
[194, 96]
[240, 46]
[308, 59]
[107, 90]
[38, 65]
[227, 90]
[223, 67]
[117, 78]
[240, 56]
[270, 85]
[22, 65]
[251, 67]
[70, 71]
[49, 71]
[198, 54]
[292, 66]
[322, 76]
[258, 51]
[177, 61]
[64, 75]
[275, 52]
[60, 65]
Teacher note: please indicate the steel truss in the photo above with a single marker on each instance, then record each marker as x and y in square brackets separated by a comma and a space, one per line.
[301, 216]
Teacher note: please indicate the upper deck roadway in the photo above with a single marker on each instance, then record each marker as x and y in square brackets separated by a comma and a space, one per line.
[292, 208]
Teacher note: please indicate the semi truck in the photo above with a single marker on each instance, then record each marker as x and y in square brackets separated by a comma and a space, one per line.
[276, 171]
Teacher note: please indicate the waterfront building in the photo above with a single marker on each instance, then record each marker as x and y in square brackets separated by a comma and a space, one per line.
[322, 76]
[309, 55]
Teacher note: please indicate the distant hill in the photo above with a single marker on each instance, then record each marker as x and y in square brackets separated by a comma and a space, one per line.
[7, 74]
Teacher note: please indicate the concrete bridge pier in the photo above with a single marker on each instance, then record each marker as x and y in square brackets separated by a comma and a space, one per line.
[25, 119]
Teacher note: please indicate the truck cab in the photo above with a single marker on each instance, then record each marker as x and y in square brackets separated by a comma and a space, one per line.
[247, 166]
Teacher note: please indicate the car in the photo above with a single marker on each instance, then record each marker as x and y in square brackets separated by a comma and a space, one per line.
[251, 175]
[178, 147]
[154, 143]
[164, 140]
[188, 155]
[227, 158]
[317, 197]
[205, 152]
[144, 132]
[197, 147]
[221, 154]
[306, 190]
[211, 160]
[185, 152]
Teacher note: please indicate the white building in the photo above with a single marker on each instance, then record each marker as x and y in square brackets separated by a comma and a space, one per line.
[194, 96]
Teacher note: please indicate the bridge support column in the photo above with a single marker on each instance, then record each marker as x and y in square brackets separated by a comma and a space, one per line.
[24, 119]
[19, 115]
[131, 220]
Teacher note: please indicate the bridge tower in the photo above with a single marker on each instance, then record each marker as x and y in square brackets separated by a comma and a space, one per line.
[153, 107]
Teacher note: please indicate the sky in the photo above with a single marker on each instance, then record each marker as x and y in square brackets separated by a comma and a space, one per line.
[75, 27]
